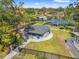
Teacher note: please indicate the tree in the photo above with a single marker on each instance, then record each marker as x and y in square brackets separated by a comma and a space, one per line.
[30, 11]
[10, 15]
[6, 40]
[72, 10]
[76, 12]
[43, 10]
[11, 11]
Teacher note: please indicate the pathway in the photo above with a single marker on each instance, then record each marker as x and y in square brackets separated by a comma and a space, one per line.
[48, 37]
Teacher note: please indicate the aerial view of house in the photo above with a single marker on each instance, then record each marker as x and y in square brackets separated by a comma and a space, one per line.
[39, 29]
[37, 32]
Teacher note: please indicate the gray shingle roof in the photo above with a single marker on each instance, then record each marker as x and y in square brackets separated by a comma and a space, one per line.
[59, 22]
[39, 29]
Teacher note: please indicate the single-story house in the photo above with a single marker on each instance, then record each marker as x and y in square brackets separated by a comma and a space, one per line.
[56, 14]
[37, 32]
[43, 18]
[59, 21]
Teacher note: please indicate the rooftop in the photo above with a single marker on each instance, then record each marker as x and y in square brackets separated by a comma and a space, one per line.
[38, 29]
[59, 22]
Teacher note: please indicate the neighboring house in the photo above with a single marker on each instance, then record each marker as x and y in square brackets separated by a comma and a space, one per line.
[59, 21]
[44, 18]
[56, 14]
[37, 32]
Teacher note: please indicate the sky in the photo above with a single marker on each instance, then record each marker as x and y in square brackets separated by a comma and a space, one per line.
[45, 3]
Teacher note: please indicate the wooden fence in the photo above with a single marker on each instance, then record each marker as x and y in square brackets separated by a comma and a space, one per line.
[45, 55]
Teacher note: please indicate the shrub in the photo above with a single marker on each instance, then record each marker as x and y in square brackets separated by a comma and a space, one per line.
[73, 35]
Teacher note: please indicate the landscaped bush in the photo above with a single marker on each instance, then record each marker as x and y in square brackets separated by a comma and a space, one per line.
[17, 39]
[73, 35]
[61, 27]
[68, 27]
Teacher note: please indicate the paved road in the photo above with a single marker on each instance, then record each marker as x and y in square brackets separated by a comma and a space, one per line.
[72, 48]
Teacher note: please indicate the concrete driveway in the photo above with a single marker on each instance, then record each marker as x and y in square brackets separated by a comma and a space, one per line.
[73, 49]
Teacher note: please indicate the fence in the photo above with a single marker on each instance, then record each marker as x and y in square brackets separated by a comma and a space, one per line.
[45, 55]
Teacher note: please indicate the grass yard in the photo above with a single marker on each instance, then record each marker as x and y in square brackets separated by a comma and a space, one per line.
[24, 56]
[38, 23]
[4, 53]
[55, 45]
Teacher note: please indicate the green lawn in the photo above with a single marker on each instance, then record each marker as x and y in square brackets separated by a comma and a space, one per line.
[38, 23]
[24, 56]
[54, 45]
[4, 52]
